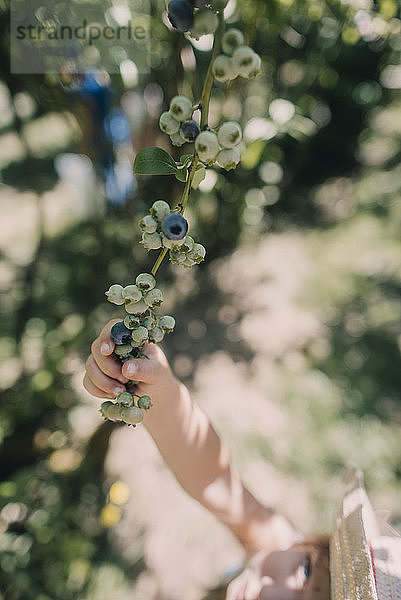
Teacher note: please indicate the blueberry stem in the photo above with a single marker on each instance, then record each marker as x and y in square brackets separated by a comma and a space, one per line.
[207, 86]
[187, 188]
[204, 106]
[159, 261]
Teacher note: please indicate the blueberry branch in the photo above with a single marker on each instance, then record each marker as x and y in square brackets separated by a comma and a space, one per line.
[204, 108]
[188, 183]
[207, 86]
[159, 261]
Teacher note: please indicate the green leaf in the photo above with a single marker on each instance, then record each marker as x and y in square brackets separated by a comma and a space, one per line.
[185, 159]
[253, 153]
[154, 161]
[199, 176]
[181, 175]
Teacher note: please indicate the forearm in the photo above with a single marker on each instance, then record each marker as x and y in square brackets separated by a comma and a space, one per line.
[188, 443]
[200, 463]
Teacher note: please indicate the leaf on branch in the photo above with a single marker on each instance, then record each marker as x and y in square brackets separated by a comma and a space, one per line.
[181, 175]
[186, 159]
[199, 176]
[154, 161]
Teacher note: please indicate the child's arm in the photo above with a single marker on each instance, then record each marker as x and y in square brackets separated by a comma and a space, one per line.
[188, 444]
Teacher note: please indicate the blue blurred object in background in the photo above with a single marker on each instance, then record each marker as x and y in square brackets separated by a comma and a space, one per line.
[120, 183]
[116, 127]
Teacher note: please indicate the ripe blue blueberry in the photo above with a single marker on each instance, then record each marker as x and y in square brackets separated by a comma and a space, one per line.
[174, 226]
[181, 14]
[120, 334]
[190, 130]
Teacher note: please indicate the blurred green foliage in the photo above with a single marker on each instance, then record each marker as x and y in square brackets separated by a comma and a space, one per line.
[322, 147]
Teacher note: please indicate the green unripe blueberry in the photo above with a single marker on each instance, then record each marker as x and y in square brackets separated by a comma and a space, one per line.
[104, 408]
[172, 243]
[145, 282]
[136, 308]
[228, 158]
[246, 62]
[181, 108]
[115, 294]
[131, 415]
[156, 334]
[148, 224]
[137, 345]
[131, 321]
[159, 210]
[223, 68]
[256, 67]
[149, 322]
[188, 263]
[123, 349]
[167, 323]
[145, 402]
[177, 257]
[125, 399]
[113, 413]
[188, 244]
[168, 124]
[205, 22]
[197, 254]
[154, 297]
[229, 134]
[207, 146]
[177, 139]
[232, 39]
[132, 293]
[139, 334]
[151, 241]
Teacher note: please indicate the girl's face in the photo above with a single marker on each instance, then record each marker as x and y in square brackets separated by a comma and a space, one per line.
[299, 573]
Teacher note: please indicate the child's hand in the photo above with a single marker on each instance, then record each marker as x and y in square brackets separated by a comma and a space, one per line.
[105, 376]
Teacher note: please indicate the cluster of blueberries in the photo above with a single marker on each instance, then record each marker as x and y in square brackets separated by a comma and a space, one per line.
[140, 325]
[125, 409]
[237, 59]
[165, 228]
[211, 147]
[177, 122]
[184, 16]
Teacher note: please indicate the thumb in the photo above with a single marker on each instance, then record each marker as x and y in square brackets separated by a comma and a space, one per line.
[106, 344]
[146, 370]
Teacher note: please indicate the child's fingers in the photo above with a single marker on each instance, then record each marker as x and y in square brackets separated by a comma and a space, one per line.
[108, 364]
[100, 380]
[236, 588]
[154, 351]
[146, 370]
[105, 344]
[93, 390]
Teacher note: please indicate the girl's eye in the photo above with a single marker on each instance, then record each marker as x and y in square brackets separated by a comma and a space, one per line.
[307, 566]
[303, 572]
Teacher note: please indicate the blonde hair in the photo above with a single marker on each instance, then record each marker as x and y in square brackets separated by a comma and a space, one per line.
[319, 587]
